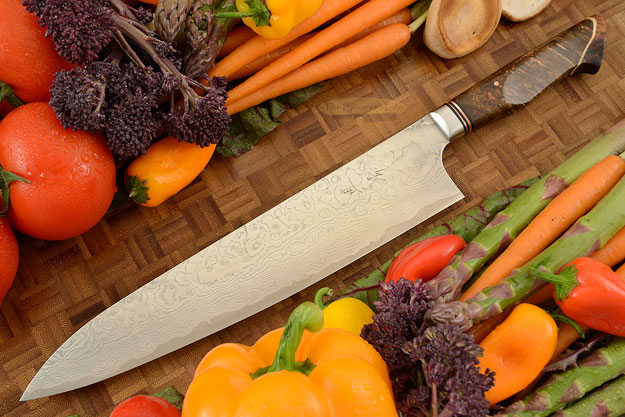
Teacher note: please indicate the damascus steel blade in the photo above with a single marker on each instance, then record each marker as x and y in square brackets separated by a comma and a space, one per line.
[340, 218]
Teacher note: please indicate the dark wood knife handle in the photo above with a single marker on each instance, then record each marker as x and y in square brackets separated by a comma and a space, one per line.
[576, 50]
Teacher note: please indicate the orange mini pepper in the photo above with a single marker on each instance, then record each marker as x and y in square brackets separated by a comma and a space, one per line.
[293, 372]
[167, 167]
[518, 349]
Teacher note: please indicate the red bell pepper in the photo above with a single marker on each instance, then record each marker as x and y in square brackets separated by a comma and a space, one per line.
[425, 259]
[590, 293]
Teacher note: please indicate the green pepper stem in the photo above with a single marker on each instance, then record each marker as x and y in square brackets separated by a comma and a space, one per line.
[7, 94]
[257, 10]
[564, 282]
[307, 316]
[323, 292]
[558, 316]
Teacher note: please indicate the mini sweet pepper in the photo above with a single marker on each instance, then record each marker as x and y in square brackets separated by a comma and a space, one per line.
[273, 19]
[590, 293]
[294, 371]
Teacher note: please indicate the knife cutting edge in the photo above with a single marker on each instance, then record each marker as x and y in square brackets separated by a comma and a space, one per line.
[366, 203]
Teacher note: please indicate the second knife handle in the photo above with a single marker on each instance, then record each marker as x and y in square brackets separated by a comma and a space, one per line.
[577, 49]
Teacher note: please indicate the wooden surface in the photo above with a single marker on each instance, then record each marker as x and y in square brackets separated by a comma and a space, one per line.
[62, 285]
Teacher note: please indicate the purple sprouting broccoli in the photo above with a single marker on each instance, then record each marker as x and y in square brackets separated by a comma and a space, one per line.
[126, 89]
[432, 368]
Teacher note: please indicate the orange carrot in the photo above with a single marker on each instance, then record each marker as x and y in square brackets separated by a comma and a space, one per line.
[355, 22]
[263, 61]
[541, 296]
[614, 250]
[374, 47]
[259, 46]
[483, 328]
[621, 271]
[235, 38]
[561, 213]
[403, 16]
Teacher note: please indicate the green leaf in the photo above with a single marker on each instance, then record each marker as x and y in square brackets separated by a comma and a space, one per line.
[249, 126]
[172, 395]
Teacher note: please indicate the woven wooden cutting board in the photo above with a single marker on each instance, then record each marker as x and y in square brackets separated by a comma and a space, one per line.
[62, 285]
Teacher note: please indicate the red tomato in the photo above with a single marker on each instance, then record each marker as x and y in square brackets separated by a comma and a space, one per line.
[28, 59]
[145, 406]
[9, 255]
[71, 174]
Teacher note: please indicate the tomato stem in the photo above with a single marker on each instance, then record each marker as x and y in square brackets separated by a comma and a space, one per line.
[6, 178]
[7, 94]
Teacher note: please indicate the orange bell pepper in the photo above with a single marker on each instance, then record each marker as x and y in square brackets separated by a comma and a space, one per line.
[295, 371]
[518, 349]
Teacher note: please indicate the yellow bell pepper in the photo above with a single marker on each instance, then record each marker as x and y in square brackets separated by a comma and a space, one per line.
[342, 375]
[167, 167]
[273, 19]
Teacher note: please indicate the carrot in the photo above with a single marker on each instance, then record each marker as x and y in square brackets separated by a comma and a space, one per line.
[371, 48]
[561, 213]
[259, 46]
[484, 328]
[355, 22]
[541, 296]
[614, 250]
[235, 38]
[263, 61]
[403, 16]
[621, 271]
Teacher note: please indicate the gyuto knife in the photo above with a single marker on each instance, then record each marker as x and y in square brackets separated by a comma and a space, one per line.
[340, 218]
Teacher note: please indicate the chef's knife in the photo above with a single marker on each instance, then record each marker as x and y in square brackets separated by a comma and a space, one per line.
[355, 209]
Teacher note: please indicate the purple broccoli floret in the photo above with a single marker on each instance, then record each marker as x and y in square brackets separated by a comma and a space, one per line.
[432, 368]
[205, 120]
[80, 29]
[448, 358]
[79, 95]
[132, 126]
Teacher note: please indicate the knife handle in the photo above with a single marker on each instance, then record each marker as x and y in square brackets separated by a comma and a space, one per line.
[576, 50]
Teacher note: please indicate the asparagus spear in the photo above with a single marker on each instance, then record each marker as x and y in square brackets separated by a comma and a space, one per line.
[586, 236]
[206, 34]
[467, 225]
[169, 17]
[607, 401]
[599, 367]
[506, 226]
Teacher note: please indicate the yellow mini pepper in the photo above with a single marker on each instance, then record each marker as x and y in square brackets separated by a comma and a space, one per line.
[293, 372]
[273, 19]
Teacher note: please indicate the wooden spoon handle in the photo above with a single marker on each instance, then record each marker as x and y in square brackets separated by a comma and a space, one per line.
[578, 49]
